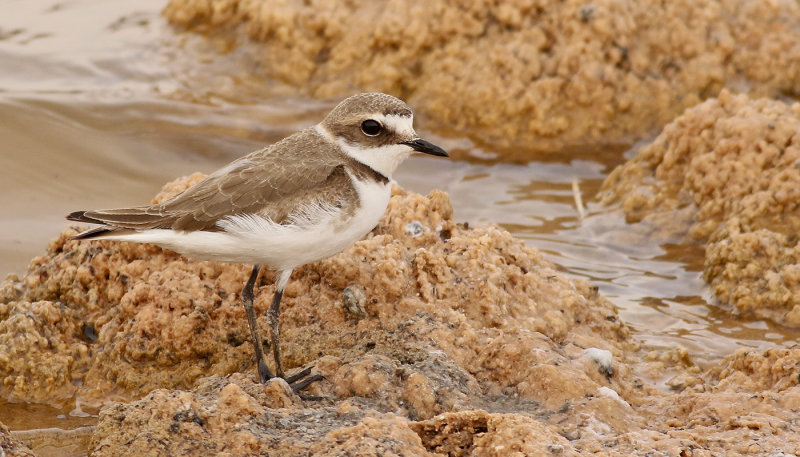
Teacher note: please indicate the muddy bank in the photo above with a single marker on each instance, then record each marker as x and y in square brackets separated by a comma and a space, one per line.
[745, 407]
[433, 338]
[107, 320]
[726, 173]
[11, 447]
[541, 74]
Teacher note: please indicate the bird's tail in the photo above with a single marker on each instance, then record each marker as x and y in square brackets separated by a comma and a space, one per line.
[80, 216]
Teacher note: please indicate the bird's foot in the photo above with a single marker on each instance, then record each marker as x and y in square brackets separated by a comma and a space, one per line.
[297, 382]
[264, 374]
[301, 380]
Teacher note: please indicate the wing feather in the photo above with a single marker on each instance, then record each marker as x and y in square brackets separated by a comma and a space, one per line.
[272, 182]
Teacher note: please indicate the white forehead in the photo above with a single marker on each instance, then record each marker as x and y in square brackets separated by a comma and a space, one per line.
[401, 125]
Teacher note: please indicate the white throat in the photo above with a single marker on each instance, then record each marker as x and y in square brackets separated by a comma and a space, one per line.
[383, 159]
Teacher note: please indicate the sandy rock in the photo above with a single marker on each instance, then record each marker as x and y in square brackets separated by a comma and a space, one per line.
[236, 416]
[466, 343]
[776, 369]
[520, 73]
[42, 349]
[448, 312]
[11, 447]
[223, 416]
[726, 172]
[479, 433]
[226, 416]
[721, 422]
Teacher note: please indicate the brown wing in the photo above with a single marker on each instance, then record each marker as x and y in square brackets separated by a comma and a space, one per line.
[272, 182]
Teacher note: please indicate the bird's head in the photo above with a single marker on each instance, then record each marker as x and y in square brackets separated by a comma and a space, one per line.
[377, 130]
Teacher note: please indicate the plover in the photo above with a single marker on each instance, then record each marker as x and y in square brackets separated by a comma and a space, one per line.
[306, 197]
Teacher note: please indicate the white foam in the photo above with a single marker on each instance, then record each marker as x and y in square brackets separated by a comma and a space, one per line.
[602, 358]
[608, 392]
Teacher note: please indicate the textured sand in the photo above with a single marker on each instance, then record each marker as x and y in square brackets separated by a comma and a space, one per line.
[726, 173]
[534, 75]
[452, 340]
[11, 447]
[235, 416]
[162, 321]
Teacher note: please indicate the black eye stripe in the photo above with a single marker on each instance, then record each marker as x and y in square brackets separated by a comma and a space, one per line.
[371, 127]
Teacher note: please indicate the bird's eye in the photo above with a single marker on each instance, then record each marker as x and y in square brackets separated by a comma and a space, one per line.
[371, 127]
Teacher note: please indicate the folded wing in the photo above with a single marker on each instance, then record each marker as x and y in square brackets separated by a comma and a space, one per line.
[269, 182]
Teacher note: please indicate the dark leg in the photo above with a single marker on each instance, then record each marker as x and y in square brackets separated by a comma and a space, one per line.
[247, 301]
[274, 320]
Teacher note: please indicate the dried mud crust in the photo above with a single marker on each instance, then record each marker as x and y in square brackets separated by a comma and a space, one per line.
[547, 73]
[726, 173]
[449, 340]
[104, 320]
[11, 447]
[747, 406]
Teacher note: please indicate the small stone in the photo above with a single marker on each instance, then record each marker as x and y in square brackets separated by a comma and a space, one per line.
[603, 359]
[414, 228]
[353, 301]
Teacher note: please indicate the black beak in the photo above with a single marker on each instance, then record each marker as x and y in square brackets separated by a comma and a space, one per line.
[426, 147]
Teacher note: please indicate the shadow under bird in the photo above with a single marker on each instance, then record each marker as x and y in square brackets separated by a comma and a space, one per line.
[302, 199]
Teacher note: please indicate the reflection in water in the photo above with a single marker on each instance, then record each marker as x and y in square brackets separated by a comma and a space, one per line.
[105, 103]
[57, 442]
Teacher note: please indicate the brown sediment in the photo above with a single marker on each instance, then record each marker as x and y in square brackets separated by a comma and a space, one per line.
[11, 447]
[466, 342]
[517, 73]
[120, 319]
[726, 172]
[237, 416]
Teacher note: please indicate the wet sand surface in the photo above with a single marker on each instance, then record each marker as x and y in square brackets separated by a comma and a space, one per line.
[102, 103]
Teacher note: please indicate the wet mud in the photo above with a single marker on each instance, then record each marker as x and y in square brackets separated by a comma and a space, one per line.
[522, 75]
[726, 173]
[435, 337]
[464, 341]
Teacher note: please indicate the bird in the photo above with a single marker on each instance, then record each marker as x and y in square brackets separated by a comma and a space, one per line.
[299, 200]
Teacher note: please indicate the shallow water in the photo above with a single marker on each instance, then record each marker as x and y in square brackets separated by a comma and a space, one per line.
[102, 102]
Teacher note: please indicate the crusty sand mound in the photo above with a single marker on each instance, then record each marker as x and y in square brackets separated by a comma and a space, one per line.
[99, 319]
[11, 447]
[748, 407]
[434, 338]
[727, 172]
[533, 74]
